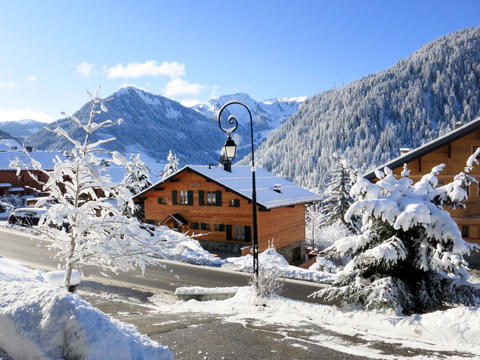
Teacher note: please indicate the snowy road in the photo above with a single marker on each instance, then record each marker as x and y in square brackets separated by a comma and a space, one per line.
[20, 246]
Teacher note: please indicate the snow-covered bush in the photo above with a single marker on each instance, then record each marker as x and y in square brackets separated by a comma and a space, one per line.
[323, 265]
[410, 254]
[268, 283]
[325, 236]
[89, 205]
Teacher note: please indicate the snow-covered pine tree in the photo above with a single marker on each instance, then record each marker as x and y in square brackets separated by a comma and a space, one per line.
[90, 204]
[136, 179]
[137, 175]
[410, 254]
[338, 199]
[171, 166]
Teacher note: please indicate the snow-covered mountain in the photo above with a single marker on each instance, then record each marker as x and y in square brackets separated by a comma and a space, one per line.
[369, 120]
[267, 115]
[152, 126]
[21, 129]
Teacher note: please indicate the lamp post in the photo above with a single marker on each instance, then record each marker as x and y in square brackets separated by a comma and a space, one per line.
[229, 150]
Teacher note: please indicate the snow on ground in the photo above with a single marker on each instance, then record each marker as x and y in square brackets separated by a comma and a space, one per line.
[456, 329]
[43, 321]
[270, 259]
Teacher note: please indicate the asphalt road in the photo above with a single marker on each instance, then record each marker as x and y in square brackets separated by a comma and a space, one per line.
[29, 250]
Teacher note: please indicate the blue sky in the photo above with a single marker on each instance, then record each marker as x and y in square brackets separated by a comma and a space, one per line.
[52, 51]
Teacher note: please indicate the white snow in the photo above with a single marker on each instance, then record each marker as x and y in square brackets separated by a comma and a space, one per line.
[270, 260]
[43, 321]
[56, 277]
[198, 290]
[456, 329]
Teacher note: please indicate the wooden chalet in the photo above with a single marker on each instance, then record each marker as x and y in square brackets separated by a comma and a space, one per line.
[216, 203]
[12, 182]
[453, 150]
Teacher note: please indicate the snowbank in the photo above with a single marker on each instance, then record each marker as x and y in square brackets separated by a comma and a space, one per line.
[56, 277]
[42, 321]
[270, 259]
[180, 247]
[456, 329]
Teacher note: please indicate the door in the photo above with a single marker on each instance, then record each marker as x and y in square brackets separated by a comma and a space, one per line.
[228, 231]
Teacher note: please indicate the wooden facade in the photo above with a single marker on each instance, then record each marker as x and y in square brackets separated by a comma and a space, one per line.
[221, 215]
[453, 152]
[23, 183]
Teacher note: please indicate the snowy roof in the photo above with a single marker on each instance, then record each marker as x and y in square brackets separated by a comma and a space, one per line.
[426, 148]
[240, 182]
[44, 157]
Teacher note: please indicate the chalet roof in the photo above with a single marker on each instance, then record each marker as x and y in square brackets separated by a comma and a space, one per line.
[428, 147]
[46, 158]
[239, 181]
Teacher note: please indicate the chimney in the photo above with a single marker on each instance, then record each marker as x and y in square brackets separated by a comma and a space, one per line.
[277, 188]
[403, 151]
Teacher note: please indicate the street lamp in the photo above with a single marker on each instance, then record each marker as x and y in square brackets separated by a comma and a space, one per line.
[229, 150]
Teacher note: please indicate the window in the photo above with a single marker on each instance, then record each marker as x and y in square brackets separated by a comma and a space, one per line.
[162, 201]
[186, 197]
[239, 232]
[194, 226]
[150, 221]
[211, 198]
[205, 226]
[183, 197]
[234, 203]
[219, 227]
[465, 231]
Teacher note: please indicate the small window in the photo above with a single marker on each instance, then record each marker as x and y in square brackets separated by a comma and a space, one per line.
[211, 198]
[465, 231]
[150, 221]
[194, 226]
[186, 197]
[205, 226]
[219, 227]
[234, 203]
[239, 232]
[183, 197]
[162, 201]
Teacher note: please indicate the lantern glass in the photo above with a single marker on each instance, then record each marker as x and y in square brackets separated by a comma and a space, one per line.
[230, 148]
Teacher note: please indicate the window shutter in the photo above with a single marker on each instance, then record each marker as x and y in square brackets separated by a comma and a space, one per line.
[218, 198]
[174, 197]
[229, 232]
[200, 197]
[248, 233]
[190, 197]
[237, 202]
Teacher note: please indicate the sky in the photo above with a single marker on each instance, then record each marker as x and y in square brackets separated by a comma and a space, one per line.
[189, 51]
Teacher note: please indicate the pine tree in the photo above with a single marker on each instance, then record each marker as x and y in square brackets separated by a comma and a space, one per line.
[171, 166]
[136, 179]
[338, 199]
[410, 254]
[137, 175]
